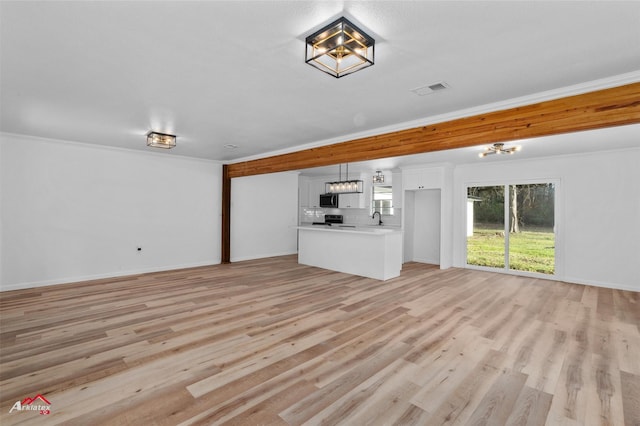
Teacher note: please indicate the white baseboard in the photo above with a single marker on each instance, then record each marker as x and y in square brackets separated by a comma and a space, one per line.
[615, 286]
[69, 280]
[261, 256]
[565, 279]
[425, 260]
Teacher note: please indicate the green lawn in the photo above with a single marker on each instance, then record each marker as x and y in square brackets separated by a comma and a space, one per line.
[531, 250]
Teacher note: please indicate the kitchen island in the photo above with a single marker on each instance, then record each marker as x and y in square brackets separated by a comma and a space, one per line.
[368, 251]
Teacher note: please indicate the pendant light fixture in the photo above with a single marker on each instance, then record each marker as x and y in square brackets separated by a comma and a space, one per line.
[340, 48]
[344, 186]
[498, 148]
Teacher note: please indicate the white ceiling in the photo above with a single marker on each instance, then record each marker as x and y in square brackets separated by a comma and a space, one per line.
[233, 72]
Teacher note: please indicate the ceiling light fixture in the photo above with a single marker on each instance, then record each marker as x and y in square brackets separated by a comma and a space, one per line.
[344, 186]
[340, 48]
[498, 148]
[378, 177]
[161, 140]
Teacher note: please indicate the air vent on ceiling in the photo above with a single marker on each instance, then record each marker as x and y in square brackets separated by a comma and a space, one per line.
[425, 90]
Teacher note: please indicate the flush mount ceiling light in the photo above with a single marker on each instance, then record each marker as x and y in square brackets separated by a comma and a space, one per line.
[378, 177]
[161, 140]
[340, 48]
[344, 186]
[498, 148]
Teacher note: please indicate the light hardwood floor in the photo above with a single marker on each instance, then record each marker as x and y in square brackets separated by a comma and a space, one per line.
[274, 342]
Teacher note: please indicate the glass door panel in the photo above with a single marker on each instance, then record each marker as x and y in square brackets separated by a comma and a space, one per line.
[485, 226]
[531, 228]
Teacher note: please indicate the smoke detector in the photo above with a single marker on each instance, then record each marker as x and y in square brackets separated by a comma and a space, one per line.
[430, 88]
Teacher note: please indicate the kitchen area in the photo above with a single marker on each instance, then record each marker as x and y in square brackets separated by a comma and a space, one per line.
[356, 226]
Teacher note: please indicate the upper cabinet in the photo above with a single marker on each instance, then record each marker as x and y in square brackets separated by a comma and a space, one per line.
[309, 191]
[303, 191]
[359, 200]
[422, 178]
[316, 187]
[351, 201]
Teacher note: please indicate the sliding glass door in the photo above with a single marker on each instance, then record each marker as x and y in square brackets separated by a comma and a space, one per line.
[485, 233]
[512, 227]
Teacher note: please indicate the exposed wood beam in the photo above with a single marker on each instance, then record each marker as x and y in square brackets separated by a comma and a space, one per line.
[604, 108]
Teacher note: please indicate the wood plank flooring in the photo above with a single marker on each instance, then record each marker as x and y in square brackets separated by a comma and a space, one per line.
[271, 342]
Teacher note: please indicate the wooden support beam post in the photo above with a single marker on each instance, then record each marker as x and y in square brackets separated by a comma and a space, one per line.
[225, 251]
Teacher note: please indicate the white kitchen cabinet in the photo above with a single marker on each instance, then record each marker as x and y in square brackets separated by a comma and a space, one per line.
[303, 191]
[430, 178]
[351, 201]
[316, 187]
[360, 200]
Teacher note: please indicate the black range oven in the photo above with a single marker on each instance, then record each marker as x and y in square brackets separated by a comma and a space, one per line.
[330, 219]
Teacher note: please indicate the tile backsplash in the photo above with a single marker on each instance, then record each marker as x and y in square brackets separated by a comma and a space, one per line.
[350, 216]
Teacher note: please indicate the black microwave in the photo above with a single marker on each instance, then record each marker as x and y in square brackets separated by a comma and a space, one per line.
[329, 200]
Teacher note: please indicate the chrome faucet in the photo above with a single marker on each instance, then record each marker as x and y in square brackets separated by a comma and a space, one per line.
[379, 217]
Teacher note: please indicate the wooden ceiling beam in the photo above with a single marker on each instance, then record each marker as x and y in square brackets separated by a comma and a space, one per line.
[594, 110]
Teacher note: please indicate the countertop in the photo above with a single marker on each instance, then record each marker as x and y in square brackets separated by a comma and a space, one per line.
[359, 229]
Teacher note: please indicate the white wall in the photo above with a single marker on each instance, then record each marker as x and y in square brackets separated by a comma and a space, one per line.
[72, 212]
[446, 216]
[264, 213]
[598, 232]
[408, 225]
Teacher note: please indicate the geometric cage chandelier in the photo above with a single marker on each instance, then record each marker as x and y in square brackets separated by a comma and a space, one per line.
[161, 140]
[498, 148]
[340, 48]
[378, 177]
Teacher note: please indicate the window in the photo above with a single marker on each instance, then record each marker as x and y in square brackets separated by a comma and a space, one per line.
[512, 227]
[382, 200]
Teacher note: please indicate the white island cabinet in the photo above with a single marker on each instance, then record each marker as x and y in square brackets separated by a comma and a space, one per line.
[367, 251]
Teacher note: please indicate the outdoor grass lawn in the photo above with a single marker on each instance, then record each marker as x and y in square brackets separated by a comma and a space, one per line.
[531, 250]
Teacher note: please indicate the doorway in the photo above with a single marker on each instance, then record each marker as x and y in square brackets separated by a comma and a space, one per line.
[422, 226]
[512, 227]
